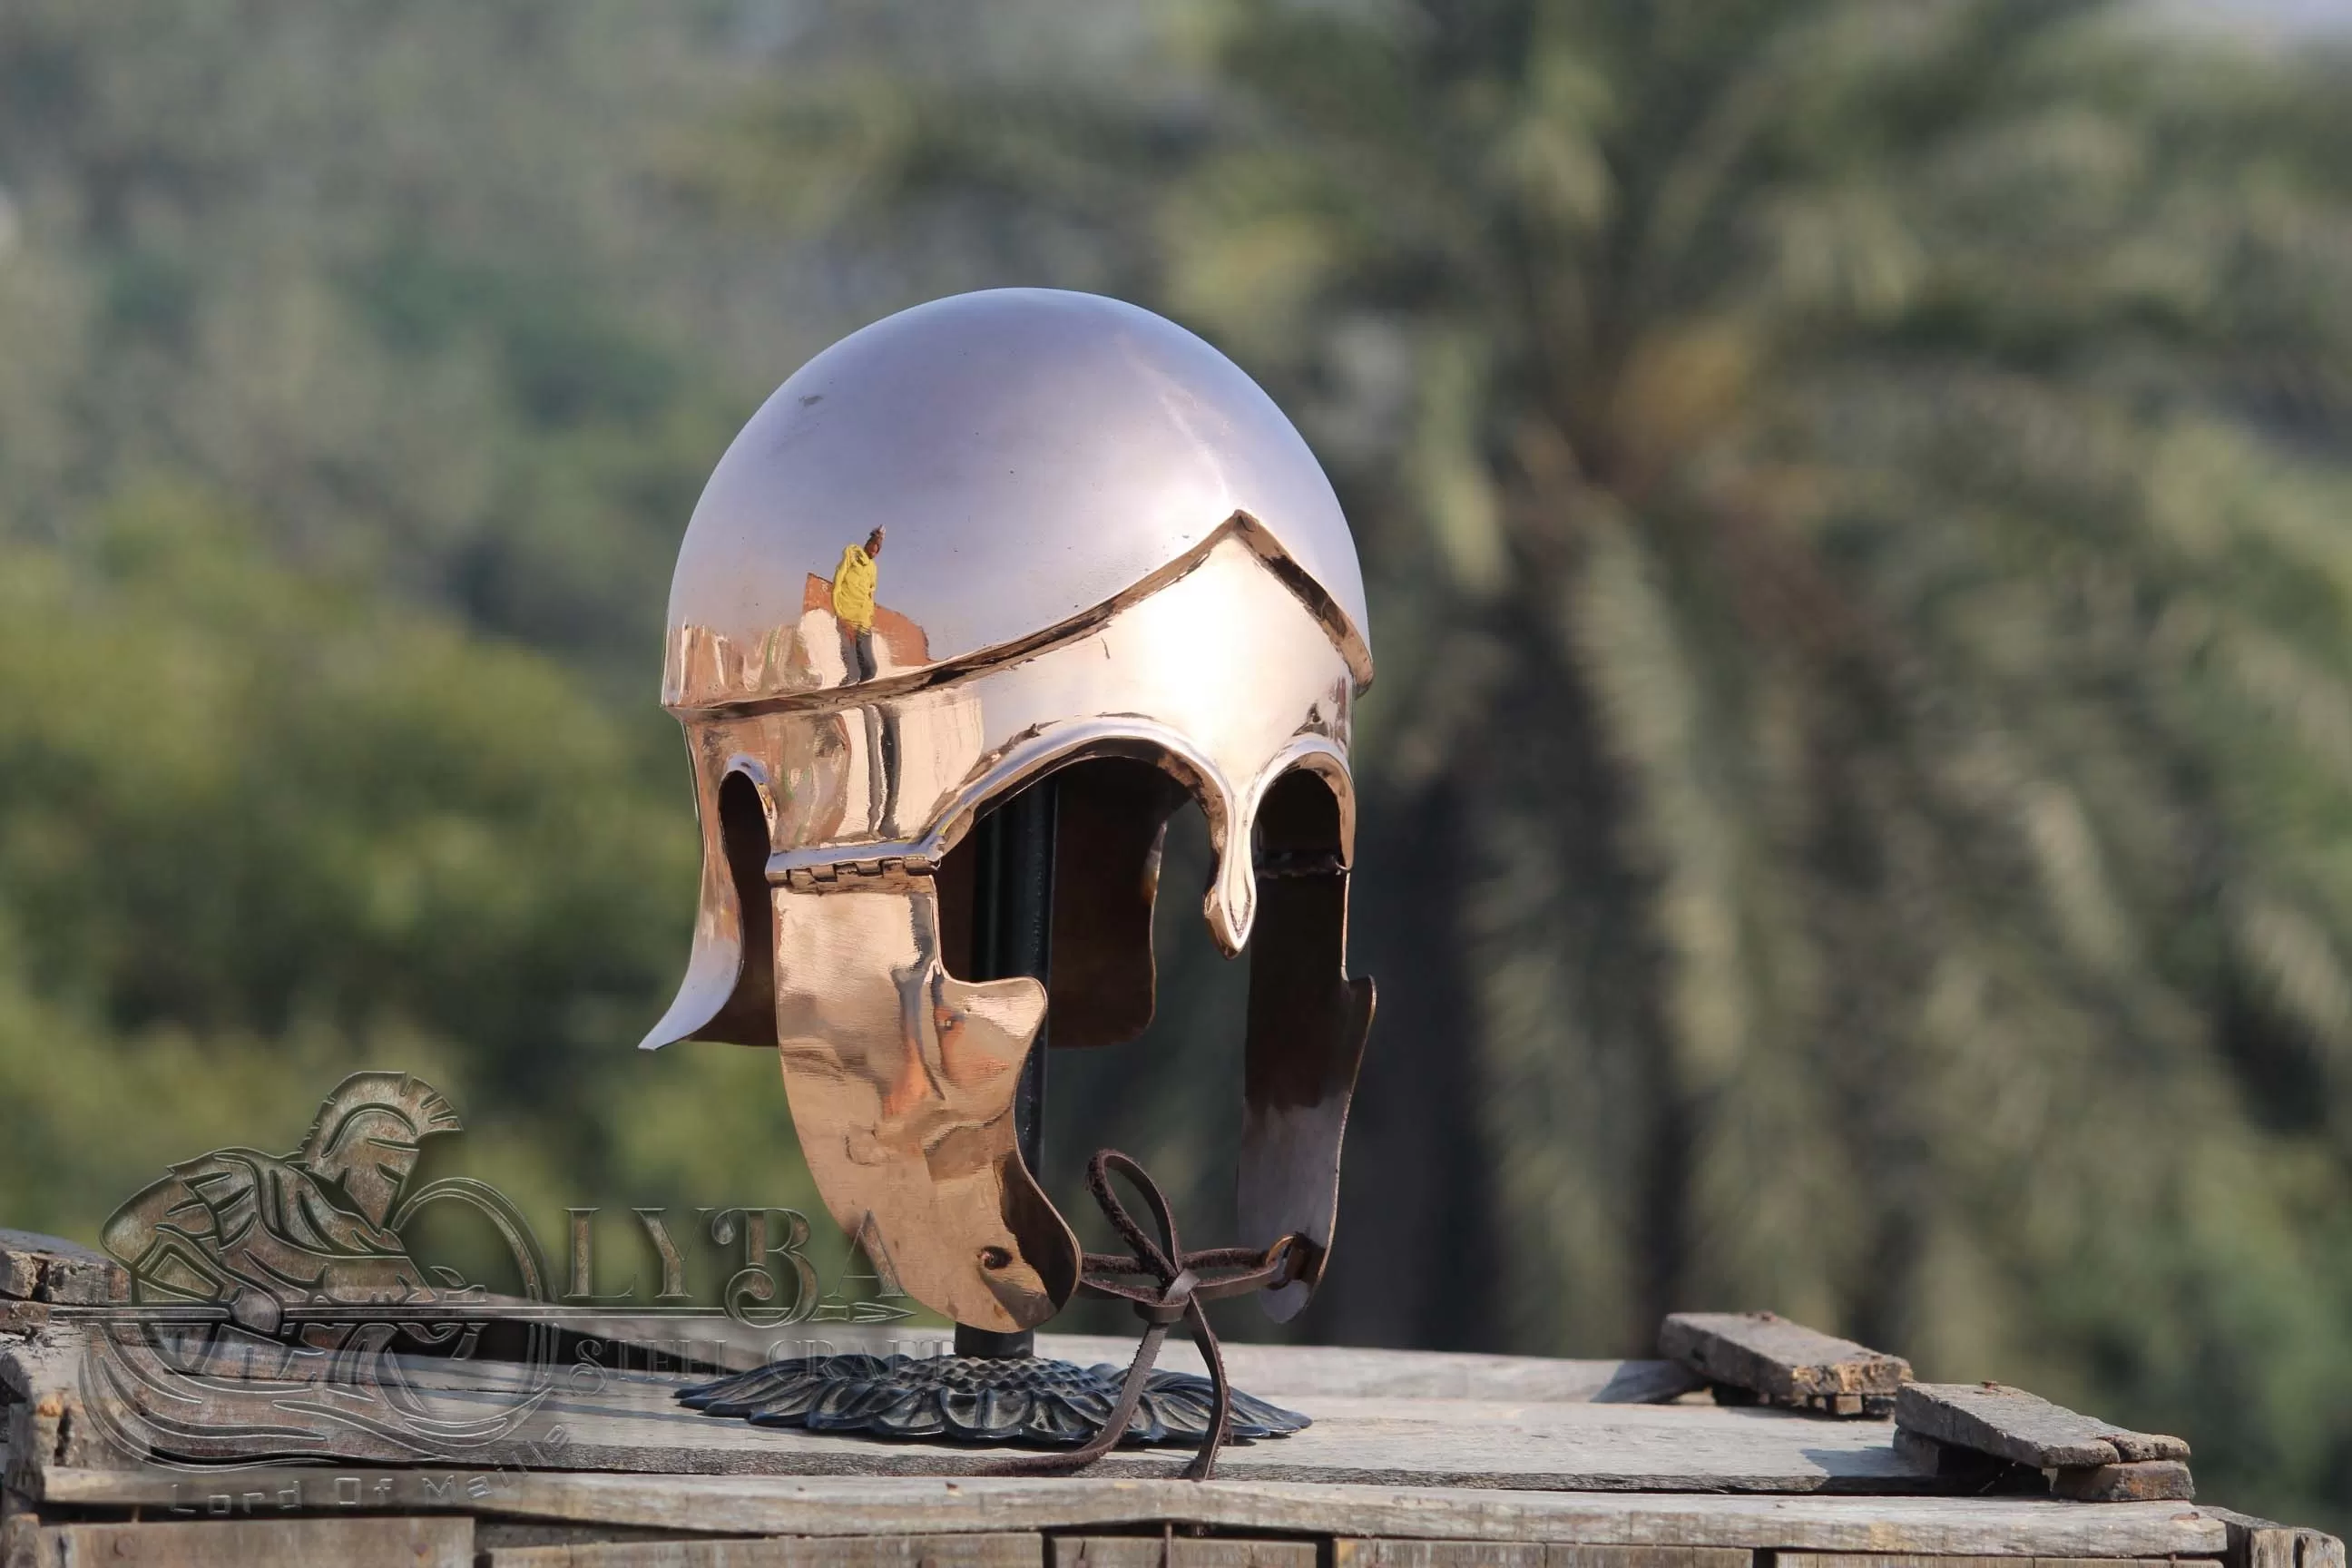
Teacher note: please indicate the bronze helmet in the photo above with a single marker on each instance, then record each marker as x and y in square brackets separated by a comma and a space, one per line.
[992, 537]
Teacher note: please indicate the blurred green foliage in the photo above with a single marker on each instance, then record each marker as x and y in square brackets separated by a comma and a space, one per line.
[257, 831]
[1856, 499]
[342, 462]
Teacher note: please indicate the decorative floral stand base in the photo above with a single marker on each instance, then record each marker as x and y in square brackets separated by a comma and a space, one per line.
[1023, 1400]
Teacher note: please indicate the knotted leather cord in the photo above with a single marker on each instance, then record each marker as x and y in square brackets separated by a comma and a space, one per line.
[1179, 1296]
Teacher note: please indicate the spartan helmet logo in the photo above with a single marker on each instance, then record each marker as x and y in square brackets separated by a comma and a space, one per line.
[366, 1137]
[995, 537]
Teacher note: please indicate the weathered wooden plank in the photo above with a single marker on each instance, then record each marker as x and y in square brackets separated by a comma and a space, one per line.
[633, 1424]
[1361, 1554]
[1783, 1361]
[1269, 1371]
[1289, 1371]
[2143, 1480]
[1568, 1555]
[29, 1368]
[726, 1505]
[508, 1534]
[20, 1270]
[1179, 1552]
[262, 1543]
[41, 1434]
[1915, 1560]
[2140, 1480]
[2024, 1428]
[2265, 1544]
[35, 1267]
[281, 1492]
[20, 1532]
[21, 1258]
[1011, 1550]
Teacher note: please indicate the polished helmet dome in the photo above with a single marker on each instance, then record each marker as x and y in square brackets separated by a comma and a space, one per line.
[1032, 455]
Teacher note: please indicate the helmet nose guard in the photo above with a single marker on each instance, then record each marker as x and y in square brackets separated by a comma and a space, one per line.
[1074, 585]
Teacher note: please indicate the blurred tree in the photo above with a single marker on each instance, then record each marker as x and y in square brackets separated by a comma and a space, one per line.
[393, 275]
[342, 346]
[1854, 501]
[257, 830]
[237, 800]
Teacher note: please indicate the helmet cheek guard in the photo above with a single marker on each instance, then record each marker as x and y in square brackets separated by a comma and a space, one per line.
[1308, 1024]
[1093, 549]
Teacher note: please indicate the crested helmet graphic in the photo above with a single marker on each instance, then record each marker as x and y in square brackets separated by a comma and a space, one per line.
[994, 538]
[276, 1309]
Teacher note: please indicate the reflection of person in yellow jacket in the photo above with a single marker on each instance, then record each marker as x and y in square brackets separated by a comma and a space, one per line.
[854, 583]
[853, 604]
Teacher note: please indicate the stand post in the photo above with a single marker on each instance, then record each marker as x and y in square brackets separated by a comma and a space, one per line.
[1012, 933]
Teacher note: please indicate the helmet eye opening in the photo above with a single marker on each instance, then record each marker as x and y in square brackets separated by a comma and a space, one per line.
[1111, 816]
[1300, 828]
[749, 1016]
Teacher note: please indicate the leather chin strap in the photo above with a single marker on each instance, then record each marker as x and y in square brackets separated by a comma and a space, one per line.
[1183, 1283]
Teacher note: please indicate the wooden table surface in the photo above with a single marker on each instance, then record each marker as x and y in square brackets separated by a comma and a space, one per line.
[1617, 1457]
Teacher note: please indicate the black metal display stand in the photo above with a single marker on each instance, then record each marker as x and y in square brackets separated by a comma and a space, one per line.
[1013, 934]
